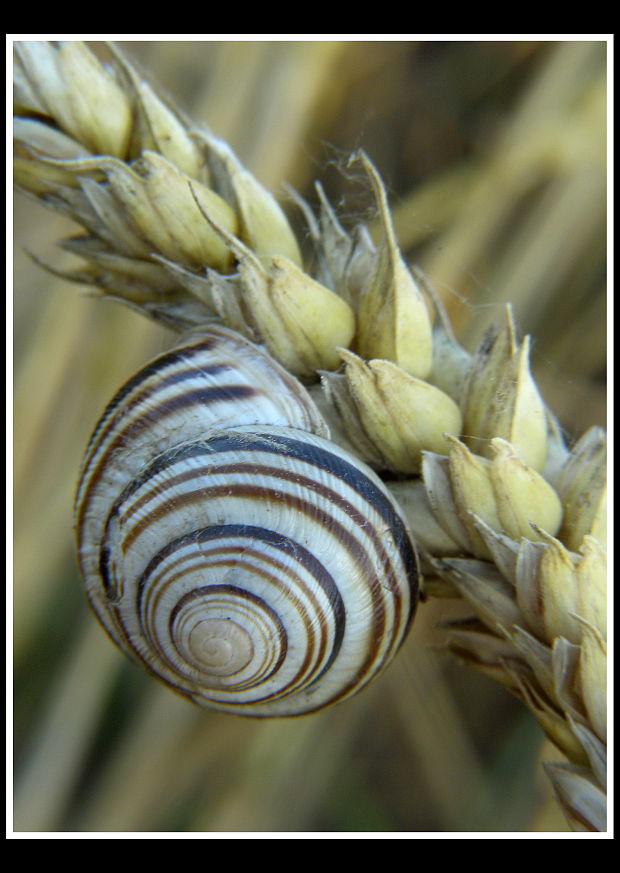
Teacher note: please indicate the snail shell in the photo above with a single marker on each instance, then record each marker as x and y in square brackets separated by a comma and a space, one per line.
[227, 545]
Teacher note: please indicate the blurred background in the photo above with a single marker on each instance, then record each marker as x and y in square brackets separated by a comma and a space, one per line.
[494, 157]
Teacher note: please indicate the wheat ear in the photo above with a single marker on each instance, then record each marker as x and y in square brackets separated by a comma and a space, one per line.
[507, 517]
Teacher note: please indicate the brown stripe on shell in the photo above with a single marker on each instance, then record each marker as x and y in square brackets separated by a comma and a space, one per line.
[273, 579]
[358, 554]
[152, 379]
[202, 397]
[127, 645]
[242, 595]
[309, 562]
[330, 591]
[154, 371]
[283, 690]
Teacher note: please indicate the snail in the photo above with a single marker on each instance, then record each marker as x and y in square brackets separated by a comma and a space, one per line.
[226, 544]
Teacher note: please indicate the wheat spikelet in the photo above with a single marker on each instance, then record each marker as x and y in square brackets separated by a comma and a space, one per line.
[505, 513]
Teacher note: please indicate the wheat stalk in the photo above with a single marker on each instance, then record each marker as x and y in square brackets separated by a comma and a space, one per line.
[507, 516]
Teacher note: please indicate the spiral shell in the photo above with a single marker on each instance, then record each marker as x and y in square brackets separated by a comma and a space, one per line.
[227, 545]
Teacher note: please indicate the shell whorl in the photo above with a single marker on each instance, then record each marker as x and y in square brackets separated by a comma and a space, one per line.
[229, 546]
